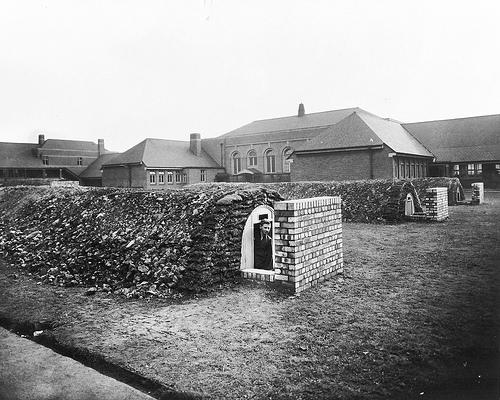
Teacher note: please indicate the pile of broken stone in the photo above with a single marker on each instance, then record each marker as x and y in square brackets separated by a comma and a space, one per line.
[136, 243]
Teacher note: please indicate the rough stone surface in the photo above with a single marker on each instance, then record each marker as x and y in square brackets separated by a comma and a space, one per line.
[136, 243]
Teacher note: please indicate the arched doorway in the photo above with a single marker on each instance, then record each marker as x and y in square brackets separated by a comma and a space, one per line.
[247, 239]
[409, 205]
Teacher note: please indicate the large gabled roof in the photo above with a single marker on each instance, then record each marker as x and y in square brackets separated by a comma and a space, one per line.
[93, 170]
[460, 139]
[162, 153]
[361, 129]
[63, 144]
[19, 155]
[292, 123]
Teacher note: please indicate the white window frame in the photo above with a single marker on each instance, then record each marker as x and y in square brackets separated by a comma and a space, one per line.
[252, 158]
[152, 177]
[161, 177]
[270, 161]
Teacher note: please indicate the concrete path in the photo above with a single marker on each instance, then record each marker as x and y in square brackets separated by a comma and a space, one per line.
[29, 371]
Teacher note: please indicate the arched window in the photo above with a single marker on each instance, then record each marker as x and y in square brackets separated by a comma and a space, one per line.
[252, 158]
[287, 152]
[270, 160]
[236, 158]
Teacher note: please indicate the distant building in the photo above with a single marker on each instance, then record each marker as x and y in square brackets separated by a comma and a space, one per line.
[361, 146]
[55, 159]
[346, 144]
[159, 164]
[467, 148]
[260, 151]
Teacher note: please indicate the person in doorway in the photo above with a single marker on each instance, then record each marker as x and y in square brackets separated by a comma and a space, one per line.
[263, 250]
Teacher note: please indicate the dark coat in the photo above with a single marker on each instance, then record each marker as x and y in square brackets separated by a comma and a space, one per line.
[263, 253]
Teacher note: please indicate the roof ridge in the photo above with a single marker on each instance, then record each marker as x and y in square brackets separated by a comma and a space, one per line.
[167, 140]
[33, 144]
[306, 114]
[451, 119]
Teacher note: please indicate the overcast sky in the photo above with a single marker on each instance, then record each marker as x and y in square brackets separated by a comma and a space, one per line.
[126, 70]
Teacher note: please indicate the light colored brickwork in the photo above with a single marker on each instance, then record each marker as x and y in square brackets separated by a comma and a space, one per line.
[477, 192]
[436, 203]
[308, 241]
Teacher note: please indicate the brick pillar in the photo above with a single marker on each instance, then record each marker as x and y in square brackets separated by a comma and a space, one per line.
[436, 203]
[308, 241]
[477, 192]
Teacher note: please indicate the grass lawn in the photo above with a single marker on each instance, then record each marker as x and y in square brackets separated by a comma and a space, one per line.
[415, 315]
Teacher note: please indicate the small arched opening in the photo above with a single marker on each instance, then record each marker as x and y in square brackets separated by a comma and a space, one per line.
[249, 236]
[409, 205]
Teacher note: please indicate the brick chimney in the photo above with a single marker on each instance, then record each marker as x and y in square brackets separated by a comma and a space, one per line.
[41, 139]
[195, 143]
[100, 147]
[302, 110]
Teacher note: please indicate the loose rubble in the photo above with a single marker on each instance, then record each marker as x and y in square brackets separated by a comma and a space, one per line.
[135, 243]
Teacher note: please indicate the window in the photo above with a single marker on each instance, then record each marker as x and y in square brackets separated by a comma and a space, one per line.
[79, 161]
[474, 169]
[161, 177]
[497, 168]
[401, 169]
[236, 162]
[407, 163]
[178, 176]
[413, 173]
[184, 177]
[456, 169]
[45, 160]
[203, 175]
[152, 177]
[170, 177]
[270, 158]
[252, 158]
[287, 152]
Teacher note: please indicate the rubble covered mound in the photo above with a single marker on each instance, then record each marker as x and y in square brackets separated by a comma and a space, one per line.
[371, 200]
[132, 242]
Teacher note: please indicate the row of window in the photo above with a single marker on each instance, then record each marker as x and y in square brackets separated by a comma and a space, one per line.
[472, 169]
[404, 169]
[268, 160]
[45, 160]
[158, 177]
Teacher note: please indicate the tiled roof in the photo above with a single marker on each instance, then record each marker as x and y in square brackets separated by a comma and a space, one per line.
[320, 119]
[161, 153]
[305, 133]
[94, 169]
[461, 139]
[362, 129]
[62, 144]
[19, 155]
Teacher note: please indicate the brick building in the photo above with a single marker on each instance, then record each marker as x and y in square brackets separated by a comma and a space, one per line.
[467, 148]
[48, 159]
[260, 151]
[361, 146]
[159, 164]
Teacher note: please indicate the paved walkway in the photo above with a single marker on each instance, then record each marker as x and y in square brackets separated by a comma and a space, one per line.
[29, 371]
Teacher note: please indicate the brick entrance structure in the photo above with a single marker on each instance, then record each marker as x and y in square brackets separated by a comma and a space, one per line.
[308, 243]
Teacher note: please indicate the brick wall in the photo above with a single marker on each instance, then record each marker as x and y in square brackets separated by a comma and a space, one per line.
[339, 166]
[436, 203]
[477, 192]
[308, 243]
[118, 176]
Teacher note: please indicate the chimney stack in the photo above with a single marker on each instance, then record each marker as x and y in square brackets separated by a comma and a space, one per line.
[100, 147]
[302, 110]
[195, 143]
[41, 139]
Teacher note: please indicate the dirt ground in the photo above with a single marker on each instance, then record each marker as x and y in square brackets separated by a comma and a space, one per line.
[415, 315]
